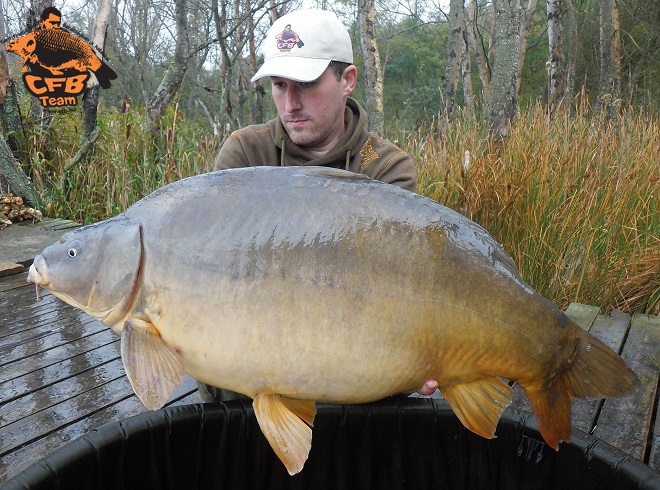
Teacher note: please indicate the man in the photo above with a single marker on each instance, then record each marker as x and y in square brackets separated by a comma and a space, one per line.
[309, 58]
[51, 18]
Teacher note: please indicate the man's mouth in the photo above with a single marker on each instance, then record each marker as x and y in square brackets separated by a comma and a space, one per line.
[296, 122]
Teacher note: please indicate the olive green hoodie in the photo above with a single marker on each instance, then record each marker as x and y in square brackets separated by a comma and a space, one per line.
[359, 150]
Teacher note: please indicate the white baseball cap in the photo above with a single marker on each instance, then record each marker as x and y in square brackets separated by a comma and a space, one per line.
[299, 46]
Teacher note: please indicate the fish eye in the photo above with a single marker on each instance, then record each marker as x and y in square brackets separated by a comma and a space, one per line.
[74, 248]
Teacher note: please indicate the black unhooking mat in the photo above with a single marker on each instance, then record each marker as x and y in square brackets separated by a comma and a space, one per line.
[398, 443]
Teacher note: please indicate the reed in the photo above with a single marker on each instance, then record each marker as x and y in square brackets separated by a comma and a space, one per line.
[574, 202]
[127, 163]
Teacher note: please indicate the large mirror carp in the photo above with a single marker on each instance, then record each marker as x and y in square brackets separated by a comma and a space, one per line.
[297, 285]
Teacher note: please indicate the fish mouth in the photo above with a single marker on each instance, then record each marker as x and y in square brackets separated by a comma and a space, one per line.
[37, 274]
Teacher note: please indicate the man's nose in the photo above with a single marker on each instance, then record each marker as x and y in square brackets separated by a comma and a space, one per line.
[292, 99]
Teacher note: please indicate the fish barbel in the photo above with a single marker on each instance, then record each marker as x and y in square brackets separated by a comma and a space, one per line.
[297, 285]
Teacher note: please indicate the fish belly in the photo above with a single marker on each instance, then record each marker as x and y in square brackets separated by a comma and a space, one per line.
[308, 341]
[334, 289]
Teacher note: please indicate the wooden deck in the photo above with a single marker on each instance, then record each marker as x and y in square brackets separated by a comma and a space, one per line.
[61, 376]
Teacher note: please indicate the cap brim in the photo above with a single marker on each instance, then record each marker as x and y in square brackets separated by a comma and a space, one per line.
[292, 68]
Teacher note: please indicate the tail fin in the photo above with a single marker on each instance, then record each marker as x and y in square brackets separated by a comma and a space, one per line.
[593, 371]
[104, 74]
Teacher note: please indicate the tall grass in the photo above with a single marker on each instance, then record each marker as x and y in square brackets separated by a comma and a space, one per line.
[575, 203]
[126, 165]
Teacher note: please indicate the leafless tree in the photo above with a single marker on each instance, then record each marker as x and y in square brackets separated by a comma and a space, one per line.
[373, 70]
[609, 85]
[503, 100]
[454, 57]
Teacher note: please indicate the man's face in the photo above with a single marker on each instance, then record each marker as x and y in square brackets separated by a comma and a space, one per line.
[313, 113]
[53, 21]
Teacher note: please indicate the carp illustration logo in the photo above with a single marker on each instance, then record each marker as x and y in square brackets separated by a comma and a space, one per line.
[56, 63]
[287, 39]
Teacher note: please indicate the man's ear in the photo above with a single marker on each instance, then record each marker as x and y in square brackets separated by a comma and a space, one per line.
[349, 79]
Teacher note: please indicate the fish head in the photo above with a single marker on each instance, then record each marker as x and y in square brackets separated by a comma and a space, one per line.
[23, 46]
[95, 268]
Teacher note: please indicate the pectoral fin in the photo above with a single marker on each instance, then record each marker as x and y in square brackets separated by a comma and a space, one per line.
[479, 404]
[152, 367]
[284, 422]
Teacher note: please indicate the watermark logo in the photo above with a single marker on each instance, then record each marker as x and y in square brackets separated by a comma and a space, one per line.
[288, 39]
[56, 63]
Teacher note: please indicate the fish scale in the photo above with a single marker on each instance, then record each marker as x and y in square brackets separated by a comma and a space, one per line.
[59, 40]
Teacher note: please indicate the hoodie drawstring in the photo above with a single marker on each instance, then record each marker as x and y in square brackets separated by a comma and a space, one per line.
[348, 158]
[282, 154]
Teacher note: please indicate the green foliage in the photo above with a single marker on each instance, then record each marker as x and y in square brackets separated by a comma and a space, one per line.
[413, 67]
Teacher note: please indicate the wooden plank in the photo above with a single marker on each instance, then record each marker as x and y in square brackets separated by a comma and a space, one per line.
[583, 315]
[611, 330]
[57, 355]
[38, 379]
[21, 296]
[56, 224]
[40, 424]
[191, 399]
[46, 335]
[654, 452]
[12, 463]
[32, 401]
[53, 313]
[625, 422]
[9, 268]
[14, 281]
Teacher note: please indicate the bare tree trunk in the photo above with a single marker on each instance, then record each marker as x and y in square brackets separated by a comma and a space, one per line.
[174, 74]
[476, 42]
[503, 100]
[609, 85]
[524, 31]
[91, 98]
[227, 65]
[373, 70]
[11, 172]
[453, 64]
[570, 49]
[257, 114]
[557, 71]
[10, 113]
[466, 69]
[43, 116]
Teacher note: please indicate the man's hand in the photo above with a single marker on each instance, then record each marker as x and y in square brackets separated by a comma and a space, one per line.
[429, 388]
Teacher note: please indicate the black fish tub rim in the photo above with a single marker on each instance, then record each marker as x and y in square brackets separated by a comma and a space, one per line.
[397, 443]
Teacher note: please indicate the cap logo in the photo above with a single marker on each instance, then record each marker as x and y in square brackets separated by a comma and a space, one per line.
[287, 39]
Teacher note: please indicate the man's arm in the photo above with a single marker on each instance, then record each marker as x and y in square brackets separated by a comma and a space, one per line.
[231, 155]
[400, 171]
[384, 161]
